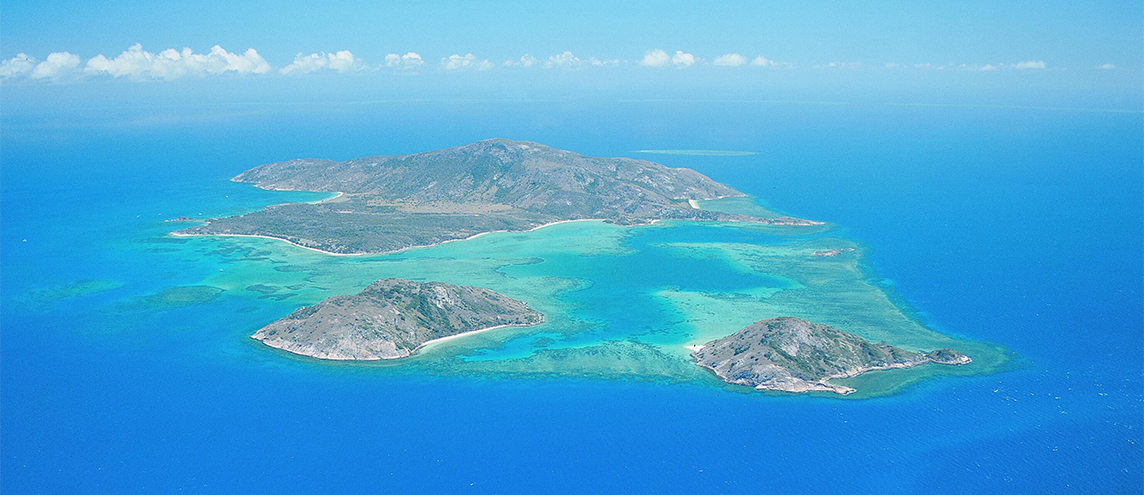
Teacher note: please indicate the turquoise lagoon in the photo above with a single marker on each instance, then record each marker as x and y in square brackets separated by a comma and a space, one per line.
[619, 302]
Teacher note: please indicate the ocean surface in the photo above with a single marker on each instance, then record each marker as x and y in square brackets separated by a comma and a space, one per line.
[125, 362]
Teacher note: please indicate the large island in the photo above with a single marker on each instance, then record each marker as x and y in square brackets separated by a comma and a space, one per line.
[395, 202]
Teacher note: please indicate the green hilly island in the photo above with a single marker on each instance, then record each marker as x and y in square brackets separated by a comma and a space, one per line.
[395, 202]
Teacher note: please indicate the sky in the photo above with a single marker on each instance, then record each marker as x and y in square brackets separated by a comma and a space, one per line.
[1053, 53]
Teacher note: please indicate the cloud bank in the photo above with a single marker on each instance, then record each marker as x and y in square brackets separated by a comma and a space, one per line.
[135, 63]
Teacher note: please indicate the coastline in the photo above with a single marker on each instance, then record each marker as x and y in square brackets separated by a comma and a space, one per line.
[331, 253]
[464, 334]
[821, 385]
[693, 203]
[337, 195]
[411, 353]
[392, 251]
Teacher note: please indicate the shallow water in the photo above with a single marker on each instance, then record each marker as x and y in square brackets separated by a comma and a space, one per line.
[125, 367]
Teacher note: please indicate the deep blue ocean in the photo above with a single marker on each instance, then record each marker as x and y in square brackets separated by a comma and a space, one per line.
[1019, 226]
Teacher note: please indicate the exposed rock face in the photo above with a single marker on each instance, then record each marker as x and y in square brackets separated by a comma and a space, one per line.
[795, 355]
[393, 202]
[390, 319]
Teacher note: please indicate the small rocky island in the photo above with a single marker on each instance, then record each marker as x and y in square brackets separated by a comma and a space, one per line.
[391, 319]
[394, 202]
[795, 355]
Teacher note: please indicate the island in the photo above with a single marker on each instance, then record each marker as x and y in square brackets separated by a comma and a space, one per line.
[830, 253]
[389, 203]
[181, 219]
[391, 319]
[794, 355]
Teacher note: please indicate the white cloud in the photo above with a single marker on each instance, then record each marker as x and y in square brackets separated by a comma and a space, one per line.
[525, 60]
[566, 60]
[984, 68]
[681, 59]
[341, 61]
[730, 60]
[137, 63]
[891, 65]
[762, 61]
[16, 66]
[655, 58]
[660, 58]
[465, 62]
[841, 65]
[57, 66]
[952, 65]
[1102, 66]
[410, 60]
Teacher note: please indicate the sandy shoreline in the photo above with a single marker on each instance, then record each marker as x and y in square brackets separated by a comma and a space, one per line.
[337, 195]
[331, 253]
[464, 334]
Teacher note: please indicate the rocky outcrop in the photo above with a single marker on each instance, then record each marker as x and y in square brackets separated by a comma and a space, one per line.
[391, 319]
[795, 355]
